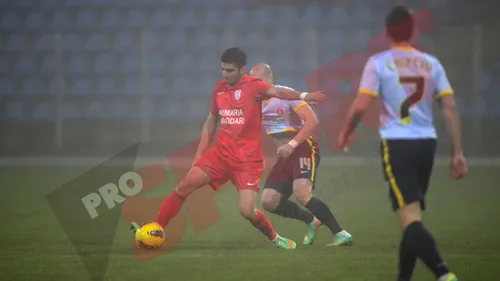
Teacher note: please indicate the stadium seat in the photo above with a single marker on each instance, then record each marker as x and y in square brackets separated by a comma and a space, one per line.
[287, 15]
[42, 111]
[104, 64]
[110, 19]
[131, 85]
[206, 85]
[162, 18]
[94, 110]
[26, 64]
[254, 38]
[80, 87]
[4, 64]
[69, 111]
[181, 86]
[208, 63]
[332, 38]
[31, 86]
[60, 20]
[313, 15]
[85, 19]
[14, 110]
[197, 110]
[51, 4]
[263, 16]
[283, 61]
[212, 17]
[96, 41]
[135, 18]
[169, 110]
[187, 18]
[77, 64]
[357, 39]
[72, 42]
[176, 40]
[130, 62]
[6, 86]
[364, 15]
[156, 63]
[15, 42]
[106, 86]
[181, 63]
[281, 37]
[44, 42]
[118, 110]
[125, 40]
[337, 16]
[10, 21]
[237, 17]
[157, 86]
[207, 38]
[34, 20]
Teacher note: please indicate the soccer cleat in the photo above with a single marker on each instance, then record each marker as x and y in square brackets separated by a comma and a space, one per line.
[311, 232]
[342, 238]
[134, 227]
[284, 243]
[448, 277]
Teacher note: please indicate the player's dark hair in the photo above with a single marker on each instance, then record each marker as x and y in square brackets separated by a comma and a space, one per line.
[234, 56]
[399, 23]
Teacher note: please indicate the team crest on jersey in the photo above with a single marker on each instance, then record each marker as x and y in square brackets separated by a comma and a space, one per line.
[279, 110]
[237, 94]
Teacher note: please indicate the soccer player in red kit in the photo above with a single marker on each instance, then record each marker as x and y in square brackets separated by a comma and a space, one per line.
[237, 156]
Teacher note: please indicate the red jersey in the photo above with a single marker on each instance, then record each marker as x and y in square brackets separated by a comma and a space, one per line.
[239, 108]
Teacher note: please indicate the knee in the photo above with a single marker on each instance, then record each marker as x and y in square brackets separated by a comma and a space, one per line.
[302, 189]
[185, 188]
[409, 214]
[303, 198]
[269, 204]
[247, 212]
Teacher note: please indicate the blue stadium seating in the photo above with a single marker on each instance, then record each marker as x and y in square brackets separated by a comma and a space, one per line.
[94, 110]
[6, 86]
[131, 85]
[31, 86]
[187, 18]
[48, 65]
[212, 17]
[42, 111]
[287, 16]
[81, 87]
[181, 63]
[77, 64]
[16, 42]
[26, 64]
[157, 86]
[72, 42]
[125, 40]
[86, 19]
[181, 86]
[238, 17]
[169, 110]
[60, 20]
[4, 64]
[104, 64]
[157, 63]
[106, 86]
[69, 111]
[34, 20]
[10, 21]
[162, 18]
[14, 110]
[44, 42]
[313, 15]
[130, 63]
[97, 42]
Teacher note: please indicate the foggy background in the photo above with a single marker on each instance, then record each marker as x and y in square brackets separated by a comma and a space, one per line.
[90, 77]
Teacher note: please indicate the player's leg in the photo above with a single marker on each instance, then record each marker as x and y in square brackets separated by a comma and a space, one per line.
[246, 181]
[206, 170]
[402, 168]
[277, 189]
[302, 189]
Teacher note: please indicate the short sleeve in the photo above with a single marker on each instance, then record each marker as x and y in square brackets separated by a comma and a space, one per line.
[214, 110]
[261, 88]
[370, 82]
[442, 84]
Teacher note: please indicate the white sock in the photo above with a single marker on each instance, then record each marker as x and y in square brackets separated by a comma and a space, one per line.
[314, 221]
[443, 278]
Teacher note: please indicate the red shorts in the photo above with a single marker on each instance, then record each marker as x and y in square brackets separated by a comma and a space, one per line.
[220, 169]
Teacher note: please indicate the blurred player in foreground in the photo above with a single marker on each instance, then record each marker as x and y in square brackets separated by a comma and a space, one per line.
[291, 125]
[407, 81]
[238, 155]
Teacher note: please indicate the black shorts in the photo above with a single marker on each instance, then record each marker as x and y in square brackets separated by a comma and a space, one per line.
[302, 164]
[407, 166]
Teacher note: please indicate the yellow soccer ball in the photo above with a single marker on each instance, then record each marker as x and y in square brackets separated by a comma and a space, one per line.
[151, 235]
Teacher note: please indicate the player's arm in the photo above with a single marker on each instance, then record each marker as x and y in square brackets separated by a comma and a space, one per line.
[444, 96]
[305, 113]
[368, 91]
[268, 91]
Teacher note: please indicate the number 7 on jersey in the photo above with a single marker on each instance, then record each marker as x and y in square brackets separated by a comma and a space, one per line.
[418, 85]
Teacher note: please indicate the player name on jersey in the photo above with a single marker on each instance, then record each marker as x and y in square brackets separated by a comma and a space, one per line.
[231, 116]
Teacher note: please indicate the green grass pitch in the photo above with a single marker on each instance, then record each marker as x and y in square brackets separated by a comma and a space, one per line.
[463, 216]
